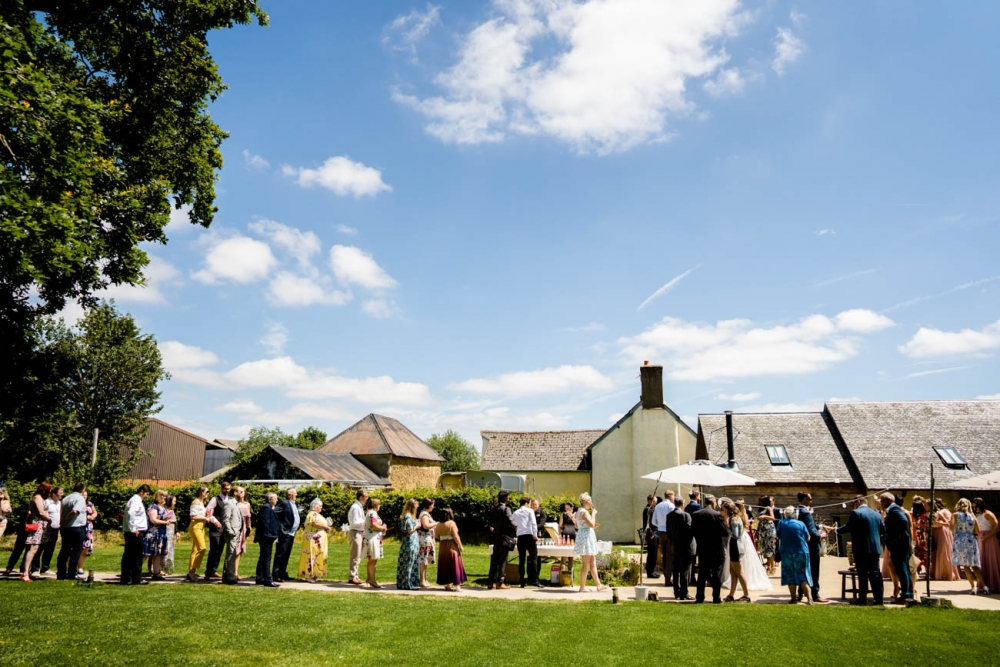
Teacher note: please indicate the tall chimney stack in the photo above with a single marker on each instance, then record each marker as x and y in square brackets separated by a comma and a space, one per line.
[652, 386]
[729, 441]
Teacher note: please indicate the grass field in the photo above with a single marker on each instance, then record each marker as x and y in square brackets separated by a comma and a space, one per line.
[54, 622]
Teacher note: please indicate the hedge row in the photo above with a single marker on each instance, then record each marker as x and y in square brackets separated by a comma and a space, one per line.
[471, 506]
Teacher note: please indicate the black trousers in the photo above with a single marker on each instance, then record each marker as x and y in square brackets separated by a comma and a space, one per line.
[709, 574]
[284, 549]
[868, 572]
[15, 555]
[901, 563]
[45, 553]
[527, 546]
[814, 568]
[216, 543]
[132, 558]
[682, 572]
[667, 553]
[69, 556]
[498, 564]
[264, 562]
[652, 548]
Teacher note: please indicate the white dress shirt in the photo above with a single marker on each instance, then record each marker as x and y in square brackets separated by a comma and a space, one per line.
[660, 513]
[135, 515]
[356, 516]
[74, 501]
[53, 507]
[524, 518]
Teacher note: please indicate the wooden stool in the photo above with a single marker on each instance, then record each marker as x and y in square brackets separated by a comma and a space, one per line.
[844, 590]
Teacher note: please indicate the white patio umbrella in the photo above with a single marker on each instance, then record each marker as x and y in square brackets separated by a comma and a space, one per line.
[701, 473]
[988, 481]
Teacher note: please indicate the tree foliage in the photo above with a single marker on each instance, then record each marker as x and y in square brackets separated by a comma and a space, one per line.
[103, 374]
[310, 438]
[262, 437]
[458, 453]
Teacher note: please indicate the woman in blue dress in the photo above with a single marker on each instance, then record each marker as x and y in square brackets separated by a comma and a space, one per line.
[965, 548]
[155, 545]
[408, 566]
[586, 541]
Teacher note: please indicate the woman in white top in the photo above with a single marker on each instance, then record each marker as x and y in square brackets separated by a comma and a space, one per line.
[586, 541]
[736, 551]
[374, 531]
[196, 530]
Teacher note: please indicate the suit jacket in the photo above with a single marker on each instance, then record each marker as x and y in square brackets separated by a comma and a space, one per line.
[232, 519]
[866, 529]
[679, 532]
[693, 507]
[285, 516]
[897, 529]
[502, 523]
[268, 528]
[711, 534]
[216, 513]
[541, 517]
[807, 518]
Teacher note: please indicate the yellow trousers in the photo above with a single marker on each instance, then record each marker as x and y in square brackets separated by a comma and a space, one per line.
[197, 533]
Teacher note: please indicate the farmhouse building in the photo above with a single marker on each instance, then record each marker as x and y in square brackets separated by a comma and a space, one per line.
[553, 462]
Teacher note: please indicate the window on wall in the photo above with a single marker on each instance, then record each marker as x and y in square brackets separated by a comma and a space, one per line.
[778, 455]
[950, 457]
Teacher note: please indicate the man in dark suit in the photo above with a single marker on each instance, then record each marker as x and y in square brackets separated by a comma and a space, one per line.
[815, 540]
[680, 536]
[503, 533]
[866, 529]
[712, 539]
[541, 518]
[288, 519]
[694, 505]
[268, 530]
[897, 539]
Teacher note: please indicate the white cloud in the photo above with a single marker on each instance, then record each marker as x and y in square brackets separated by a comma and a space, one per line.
[380, 309]
[301, 245]
[787, 49]
[862, 321]
[344, 229]
[535, 383]
[275, 338]
[72, 312]
[158, 274]
[615, 417]
[288, 289]
[935, 342]
[666, 288]
[237, 258]
[936, 371]
[342, 175]
[406, 30]
[737, 349]
[255, 161]
[826, 232]
[590, 326]
[750, 396]
[245, 406]
[177, 356]
[353, 266]
[798, 18]
[178, 222]
[993, 397]
[600, 76]
[726, 82]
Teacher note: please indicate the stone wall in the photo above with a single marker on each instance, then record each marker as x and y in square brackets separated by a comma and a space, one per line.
[413, 473]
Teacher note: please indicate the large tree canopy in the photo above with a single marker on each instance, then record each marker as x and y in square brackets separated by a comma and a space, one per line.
[459, 454]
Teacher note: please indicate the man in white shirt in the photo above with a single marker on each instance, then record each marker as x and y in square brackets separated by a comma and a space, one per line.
[288, 519]
[53, 505]
[356, 533]
[134, 525]
[527, 542]
[659, 521]
[73, 518]
[216, 540]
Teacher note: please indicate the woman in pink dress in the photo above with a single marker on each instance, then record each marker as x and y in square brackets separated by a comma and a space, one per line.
[989, 548]
[943, 540]
[240, 496]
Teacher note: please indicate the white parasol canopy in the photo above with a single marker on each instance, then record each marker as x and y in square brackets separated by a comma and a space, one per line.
[988, 481]
[701, 473]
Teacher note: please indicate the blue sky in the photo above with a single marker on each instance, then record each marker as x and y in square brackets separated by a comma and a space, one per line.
[485, 216]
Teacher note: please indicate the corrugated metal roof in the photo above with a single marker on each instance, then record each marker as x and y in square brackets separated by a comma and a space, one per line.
[169, 453]
[376, 434]
[227, 443]
[330, 466]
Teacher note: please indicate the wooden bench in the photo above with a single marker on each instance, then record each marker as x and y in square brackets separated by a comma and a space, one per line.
[844, 590]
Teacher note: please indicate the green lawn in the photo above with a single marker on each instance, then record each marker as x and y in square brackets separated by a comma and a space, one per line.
[54, 622]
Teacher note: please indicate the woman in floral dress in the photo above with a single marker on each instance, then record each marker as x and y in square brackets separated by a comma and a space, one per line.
[767, 534]
[171, 516]
[425, 537]
[586, 542]
[312, 560]
[374, 531]
[965, 548]
[920, 527]
[155, 544]
[408, 566]
[88, 542]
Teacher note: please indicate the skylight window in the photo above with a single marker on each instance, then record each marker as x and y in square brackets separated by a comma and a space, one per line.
[778, 455]
[950, 457]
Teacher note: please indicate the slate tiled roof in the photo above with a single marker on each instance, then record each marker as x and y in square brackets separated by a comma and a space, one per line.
[537, 450]
[892, 443]
[812, 449]
[376, 434]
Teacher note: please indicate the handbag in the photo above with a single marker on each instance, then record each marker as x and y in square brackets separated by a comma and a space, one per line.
[509, 542]
[31, 527]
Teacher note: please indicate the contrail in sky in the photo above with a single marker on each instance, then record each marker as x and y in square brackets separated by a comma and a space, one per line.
[666, 288]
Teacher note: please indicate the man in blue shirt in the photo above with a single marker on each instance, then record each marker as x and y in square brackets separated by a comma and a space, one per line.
[659, 521]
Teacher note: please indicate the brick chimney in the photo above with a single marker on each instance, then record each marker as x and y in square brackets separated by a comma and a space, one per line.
[652, 386]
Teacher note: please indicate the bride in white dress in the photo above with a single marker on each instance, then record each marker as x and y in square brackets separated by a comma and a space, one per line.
[753, 569]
